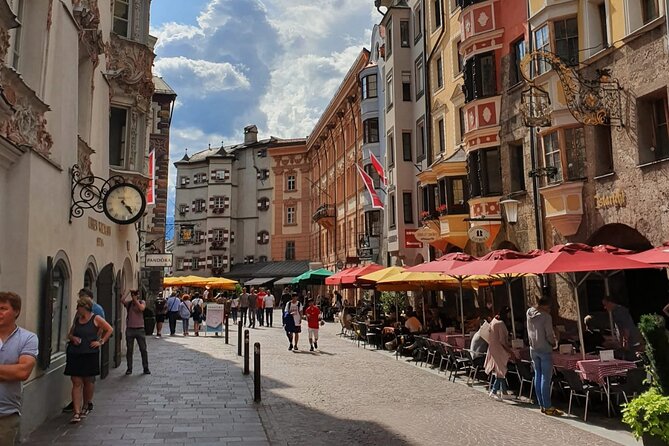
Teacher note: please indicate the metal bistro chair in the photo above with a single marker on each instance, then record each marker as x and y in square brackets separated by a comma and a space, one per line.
[632, 386]
[525, 374]
[375, 337]
[579, 389]
[361, 334]
[476, 367]
[445, 357]
[458, 363]
[432, 351]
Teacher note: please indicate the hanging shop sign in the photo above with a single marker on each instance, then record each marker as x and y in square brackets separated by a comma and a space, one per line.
[478, 234]
[410, 240]
[160, 260]
[426, 235]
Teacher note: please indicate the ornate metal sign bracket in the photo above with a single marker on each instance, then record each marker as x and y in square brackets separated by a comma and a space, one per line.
[88, 192]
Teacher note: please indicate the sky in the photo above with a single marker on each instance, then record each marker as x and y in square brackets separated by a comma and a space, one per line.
[272, 63]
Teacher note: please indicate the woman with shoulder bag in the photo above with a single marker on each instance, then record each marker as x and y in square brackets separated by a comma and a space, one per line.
[83, 354]
[185, 312]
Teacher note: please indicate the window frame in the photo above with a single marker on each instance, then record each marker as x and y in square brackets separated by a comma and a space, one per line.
[540, 66]
[61, 325]
[290, 250]
[406, 86]
[370, 127]
[418, 69]
[439, 72]
[438, 8]
[123, 143]
[392, 221]
[16, 36]
[389, 39]
[291, 215]
[407, 151]
[389, 90]
[291, 183]
[567, 38]
[367, 91]
[420, 148]
[417, 23]
[127, 21]
[407, 207]
[405, 31]
[518, 50]
[441, 134]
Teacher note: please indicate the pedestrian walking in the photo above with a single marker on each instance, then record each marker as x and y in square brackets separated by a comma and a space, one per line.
[253, 301]
[498, 354]
[173, 304]
[294, 309]
[18, 356]
[260, 307]
[185, 312]
[269, 308]
[135, 330]
[88, 333]
[234, 307]
[197, 309]
[542, 341]
[285, 297]
[160, 310]
[243, 305]
[314, 321]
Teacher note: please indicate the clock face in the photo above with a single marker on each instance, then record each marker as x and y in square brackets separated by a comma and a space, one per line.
[124, 203]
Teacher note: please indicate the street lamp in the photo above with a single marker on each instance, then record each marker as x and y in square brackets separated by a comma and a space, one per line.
[510, 210]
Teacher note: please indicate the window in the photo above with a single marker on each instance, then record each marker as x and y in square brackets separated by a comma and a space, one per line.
[16, 34]
[373, 223]
[392, 220]
[440, 73]
[551, 147]
[457, 196]
[649, 10]
[60, 316]
[652, 127]
[390, 146]
[183, 181]
[371, 130]
[407, 207]
[291, 183]
[419, 76]
[574, 140]
[290, 215]
[195, 265]
[198, 237]
[566, 40]
[437, 14]
[183, 208]
[459, 57]
[290, 250]
[406, 146]
[117, 136]
[461, 123]
[516, 167]
[484, 171]
[262, 238]
[442, 135]
[217, 261]
[122, 17]
[222, 175]
[603, 150]
[369, 87]
[417, 23]
[480, 80]
[389, 91]
[219, 203]
[420, 140]
[263, 204]
[218, 235]
[518, 51]
[180, 263]
[389, 40]
[199, 205]
[542, 43]
[406, 86]
[404, 33]
[262, 174]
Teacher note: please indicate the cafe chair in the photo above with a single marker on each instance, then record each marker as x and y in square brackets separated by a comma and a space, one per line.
[361, 334]
[375, 337]
[476, 367]
[458, 363]
[578, 389]
[445, 357]
[526, 375]
[432, 351]
[632, 386]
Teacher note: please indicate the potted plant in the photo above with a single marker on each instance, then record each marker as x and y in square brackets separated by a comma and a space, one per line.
[442, 209]
[425, 216]
[648, 414]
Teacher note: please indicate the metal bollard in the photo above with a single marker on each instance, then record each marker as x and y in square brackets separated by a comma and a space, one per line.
[256, 372]
[246, 352]
[227, 329]
[239, 339]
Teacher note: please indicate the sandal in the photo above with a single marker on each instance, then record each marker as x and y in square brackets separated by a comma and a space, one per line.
[76, 418]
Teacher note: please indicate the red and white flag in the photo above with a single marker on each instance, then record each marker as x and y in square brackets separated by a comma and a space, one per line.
[151, 189]
[369, 184]
[379, 168]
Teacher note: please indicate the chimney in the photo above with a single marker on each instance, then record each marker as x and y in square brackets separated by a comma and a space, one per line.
[250, 134]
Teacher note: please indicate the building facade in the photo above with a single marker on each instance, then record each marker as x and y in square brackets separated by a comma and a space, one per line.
[223, 206]
[55, 128]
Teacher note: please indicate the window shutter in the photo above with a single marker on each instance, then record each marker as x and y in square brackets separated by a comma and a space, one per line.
[225, 260]
[213, 174]
[209, 262]
[226, 175]
[258, 237]
[187, 180]
[193, 206]
[232, 237]
[201, 236]
[259, 204]
[210, 235]
[226, 202]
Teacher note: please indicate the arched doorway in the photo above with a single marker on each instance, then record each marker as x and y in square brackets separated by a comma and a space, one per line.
[642, 291]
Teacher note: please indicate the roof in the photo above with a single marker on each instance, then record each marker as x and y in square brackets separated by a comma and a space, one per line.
[269, 269]
[161, 87]
[228, 151]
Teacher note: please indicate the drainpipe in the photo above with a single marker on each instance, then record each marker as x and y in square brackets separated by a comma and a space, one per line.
[334, 166]
[351, 100]
[538, 211]
[426, 70]
[340, 115]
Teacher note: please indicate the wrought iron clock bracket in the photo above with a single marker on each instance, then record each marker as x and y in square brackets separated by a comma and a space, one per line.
[88, 192]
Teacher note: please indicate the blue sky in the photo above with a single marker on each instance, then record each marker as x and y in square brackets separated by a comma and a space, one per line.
[272, 63]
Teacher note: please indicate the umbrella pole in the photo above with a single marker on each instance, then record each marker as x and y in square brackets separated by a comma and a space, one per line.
[580, 321]
[513, 317]
[607, 292]
[422, 293]
[462, 310]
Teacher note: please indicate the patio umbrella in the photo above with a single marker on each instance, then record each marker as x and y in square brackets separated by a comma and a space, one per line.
[566, 260]
[658, 255]
[352, 275]
[492, 265]
[182, 280]
[445, 265]
[219, 283]
[335, 279]
[314, 276]
[371, 279]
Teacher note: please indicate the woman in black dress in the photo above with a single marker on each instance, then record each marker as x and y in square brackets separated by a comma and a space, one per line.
[88, 333]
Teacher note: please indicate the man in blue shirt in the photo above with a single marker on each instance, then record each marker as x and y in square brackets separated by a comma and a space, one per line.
[97, 308]
[18, 355]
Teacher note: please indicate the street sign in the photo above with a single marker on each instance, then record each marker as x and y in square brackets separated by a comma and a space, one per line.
[365, 254]
[478, 234]
[161, 260]
[426, 234]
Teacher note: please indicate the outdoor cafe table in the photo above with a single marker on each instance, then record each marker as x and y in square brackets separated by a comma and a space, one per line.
[569, 360]
[455, 340]
[600, 372]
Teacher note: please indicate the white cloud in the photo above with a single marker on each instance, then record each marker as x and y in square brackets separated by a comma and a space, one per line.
[174, 32]
[205, 76]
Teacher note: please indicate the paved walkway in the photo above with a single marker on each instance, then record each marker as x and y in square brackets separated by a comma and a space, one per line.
[340, 395]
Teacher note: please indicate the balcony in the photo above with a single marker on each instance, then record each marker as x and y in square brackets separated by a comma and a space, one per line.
[129, 66]
[564, 206]
[325, 216]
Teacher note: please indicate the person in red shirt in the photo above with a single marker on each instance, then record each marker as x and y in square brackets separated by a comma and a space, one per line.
[260, 306]
[314, 319]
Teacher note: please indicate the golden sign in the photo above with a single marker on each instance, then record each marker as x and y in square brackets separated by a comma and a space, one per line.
[616, 199]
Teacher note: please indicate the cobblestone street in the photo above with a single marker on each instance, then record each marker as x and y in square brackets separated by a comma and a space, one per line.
[340, 395]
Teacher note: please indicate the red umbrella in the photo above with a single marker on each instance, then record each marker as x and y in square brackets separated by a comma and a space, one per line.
[335, 279]
[351, 275]
[492, 264]
[565, 260]
[445, 265]
[658, 255]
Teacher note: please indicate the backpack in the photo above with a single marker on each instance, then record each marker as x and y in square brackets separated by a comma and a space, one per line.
[197, 309]
[184, 312]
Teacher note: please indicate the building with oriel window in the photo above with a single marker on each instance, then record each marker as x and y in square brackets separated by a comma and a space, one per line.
[223, 206]
[77, 90]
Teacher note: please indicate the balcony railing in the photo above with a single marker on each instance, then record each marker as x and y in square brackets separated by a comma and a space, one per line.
[324, 211]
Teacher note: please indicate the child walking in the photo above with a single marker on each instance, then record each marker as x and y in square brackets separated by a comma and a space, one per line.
[314, 319]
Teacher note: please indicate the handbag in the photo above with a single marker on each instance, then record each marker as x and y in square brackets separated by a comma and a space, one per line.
[184, 312]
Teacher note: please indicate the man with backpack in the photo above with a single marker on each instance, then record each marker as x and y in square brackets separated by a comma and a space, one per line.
[293, 310]
[172, 304]
[197, 307]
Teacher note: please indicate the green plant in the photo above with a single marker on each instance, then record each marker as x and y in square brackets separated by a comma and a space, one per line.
[648, 414]
[653, 329]
[238, 289]
[391, 300]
